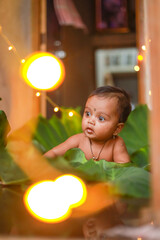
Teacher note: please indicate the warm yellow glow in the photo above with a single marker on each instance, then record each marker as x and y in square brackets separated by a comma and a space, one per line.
[23, 61]
[144, 47]
[150, 92]
[70, 114]
[136, 68]
[74, 189]
[10, 48]
[38, 94]
[52, 201]
[149, 40]
[140, 57]
[139, 238]
[43, 71]
[56, 109]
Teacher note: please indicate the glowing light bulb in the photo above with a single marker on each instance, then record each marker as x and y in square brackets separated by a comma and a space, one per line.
[52, 201]
[56, 109]
[75, 194]
[150, 93]
[144, 47]
[44, 202]
[70, 114]
[10, 48]
[43, 71]
[149, 40]
[23, 61]
[38, 94]
[139, 238]
[140, 57]
[136, 68]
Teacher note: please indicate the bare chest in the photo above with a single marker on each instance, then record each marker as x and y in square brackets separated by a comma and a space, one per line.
[99, 152]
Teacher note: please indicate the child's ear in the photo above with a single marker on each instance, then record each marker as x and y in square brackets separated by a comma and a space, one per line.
[119, 128]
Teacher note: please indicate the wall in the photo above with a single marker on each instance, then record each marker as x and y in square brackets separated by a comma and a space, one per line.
[18, 99]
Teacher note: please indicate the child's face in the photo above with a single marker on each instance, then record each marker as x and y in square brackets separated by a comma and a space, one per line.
[100, 118]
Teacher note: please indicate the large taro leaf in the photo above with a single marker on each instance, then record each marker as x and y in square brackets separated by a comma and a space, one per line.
[141, 158]
[72, 124]
[50, 133]
[47, 133]
[135, 131]
[10, 173]
[131, 181]
[4, 128]
[125, 179]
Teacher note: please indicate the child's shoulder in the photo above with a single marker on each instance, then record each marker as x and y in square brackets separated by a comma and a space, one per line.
[119, 141]
[77, 137]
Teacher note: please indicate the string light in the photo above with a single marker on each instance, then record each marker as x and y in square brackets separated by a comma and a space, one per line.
[150, 93]
[139, 238]
[144, 47]
[136, 68]
[10, 48]
[140, 57]
[56, 109]
[38, 94]
[70, 114]
[23, 60]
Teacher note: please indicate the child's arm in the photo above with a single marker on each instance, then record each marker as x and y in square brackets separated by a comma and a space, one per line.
[120, 154]
[72, 142]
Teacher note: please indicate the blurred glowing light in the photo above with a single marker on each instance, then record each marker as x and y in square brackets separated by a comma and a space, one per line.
[139, 238]
[10, 48]
[23, 61]
[150, 93]
[144, 47]
[70, 114]
[43, 71]
[140, 57]
[38, 94]
[149, 40]
[56, 109]
[52, 201]
[136, 68]
[74, 189]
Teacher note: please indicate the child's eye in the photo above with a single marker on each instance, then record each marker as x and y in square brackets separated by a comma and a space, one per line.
[101, 118]
[88, 114]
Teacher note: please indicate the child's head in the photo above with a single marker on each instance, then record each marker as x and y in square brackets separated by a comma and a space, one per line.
[123, 99]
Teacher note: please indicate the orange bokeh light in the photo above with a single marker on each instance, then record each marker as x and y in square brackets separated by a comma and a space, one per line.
[52, 201]
[140, 57]
[43, 71]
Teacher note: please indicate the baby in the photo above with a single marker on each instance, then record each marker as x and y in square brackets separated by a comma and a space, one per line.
[105, 113]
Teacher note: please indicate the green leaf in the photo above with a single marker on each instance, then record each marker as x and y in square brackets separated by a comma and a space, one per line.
[132, 182]
[135, 131]
[72, 124]
[46, 135]
[10, 173]
[141, 157]
[4, 128]
[75, 156]
[56, 123]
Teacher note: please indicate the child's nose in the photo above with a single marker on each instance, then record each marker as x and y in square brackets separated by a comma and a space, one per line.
[91, 121]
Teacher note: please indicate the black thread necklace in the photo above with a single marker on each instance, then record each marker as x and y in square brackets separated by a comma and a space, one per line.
[95, 158]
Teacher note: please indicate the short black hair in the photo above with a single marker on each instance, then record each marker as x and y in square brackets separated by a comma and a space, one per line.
[124, 105]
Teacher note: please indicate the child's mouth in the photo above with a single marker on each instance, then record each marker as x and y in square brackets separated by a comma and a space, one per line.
[89, 130]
